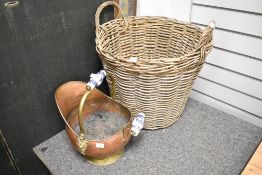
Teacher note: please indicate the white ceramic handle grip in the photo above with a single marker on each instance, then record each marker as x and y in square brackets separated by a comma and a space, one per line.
[137, 124]
[96, 79]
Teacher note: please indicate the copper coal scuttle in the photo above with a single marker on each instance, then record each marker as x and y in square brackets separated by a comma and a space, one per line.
[98, 126]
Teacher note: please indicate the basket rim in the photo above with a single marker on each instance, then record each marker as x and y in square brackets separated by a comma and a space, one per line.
[194, 26]
[163, 61]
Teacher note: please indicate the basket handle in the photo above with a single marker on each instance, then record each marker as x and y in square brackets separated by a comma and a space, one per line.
[205, 40]
[207, 33]
[101, 8]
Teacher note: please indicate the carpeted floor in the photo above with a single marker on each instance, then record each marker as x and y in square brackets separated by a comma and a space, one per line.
[203, 141]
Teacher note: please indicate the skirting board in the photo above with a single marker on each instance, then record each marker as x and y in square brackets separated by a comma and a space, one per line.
[226, 108]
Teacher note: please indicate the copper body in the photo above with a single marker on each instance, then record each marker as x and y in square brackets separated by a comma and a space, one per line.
[68, 97]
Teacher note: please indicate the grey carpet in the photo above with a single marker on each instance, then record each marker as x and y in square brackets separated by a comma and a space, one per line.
[203, 141]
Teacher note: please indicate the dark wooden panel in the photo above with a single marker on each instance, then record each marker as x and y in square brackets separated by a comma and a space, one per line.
[42, 45]
[6, 164]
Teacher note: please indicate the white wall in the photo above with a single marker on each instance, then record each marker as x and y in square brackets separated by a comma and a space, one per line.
[231, 79]
[178, 9]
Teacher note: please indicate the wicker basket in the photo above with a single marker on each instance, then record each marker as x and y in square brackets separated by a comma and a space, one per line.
[169, 56]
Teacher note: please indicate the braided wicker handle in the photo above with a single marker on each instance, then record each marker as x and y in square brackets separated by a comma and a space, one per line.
[101, 8]
[206, 41]
[207, 33]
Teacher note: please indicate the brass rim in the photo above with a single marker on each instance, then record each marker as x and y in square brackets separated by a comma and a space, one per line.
[98, 161]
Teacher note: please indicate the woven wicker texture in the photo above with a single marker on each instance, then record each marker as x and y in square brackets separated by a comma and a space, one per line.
[169, 55]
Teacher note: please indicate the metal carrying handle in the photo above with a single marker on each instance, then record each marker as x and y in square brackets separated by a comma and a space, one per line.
[96, 80]
[101, 8]
[82, 102]
[80, 112]
[137, 123]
